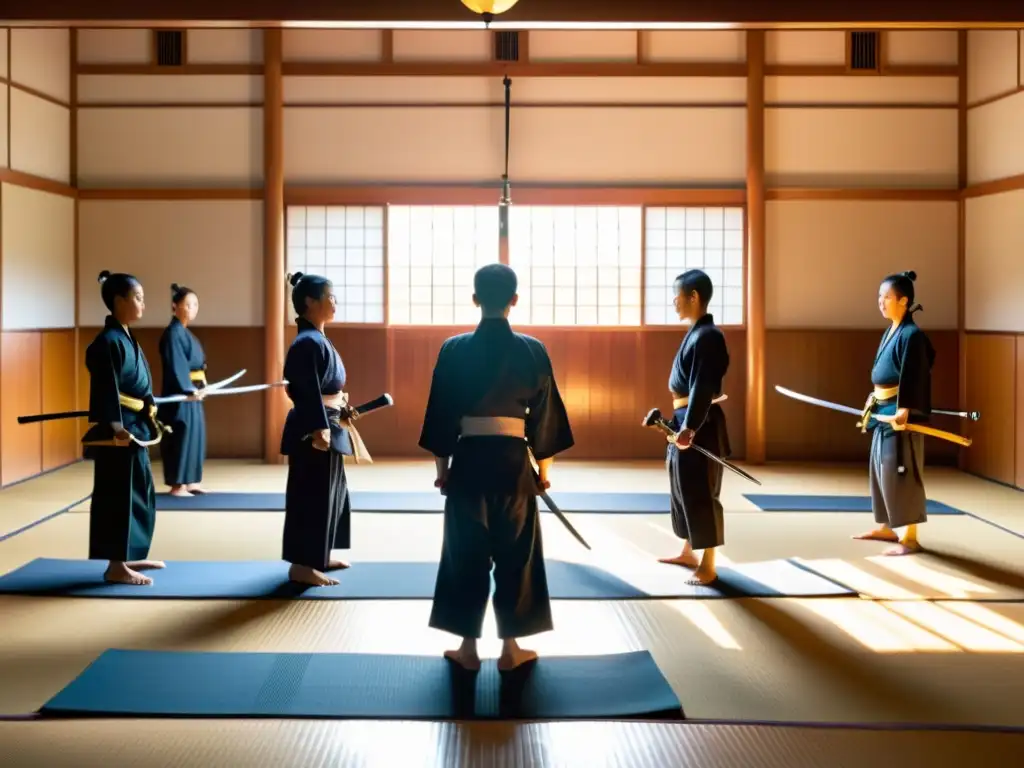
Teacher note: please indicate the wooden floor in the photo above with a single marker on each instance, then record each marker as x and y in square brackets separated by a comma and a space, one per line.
[936, 640]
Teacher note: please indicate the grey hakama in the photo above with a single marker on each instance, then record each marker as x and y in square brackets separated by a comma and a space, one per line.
[896, 471]
[897, 498]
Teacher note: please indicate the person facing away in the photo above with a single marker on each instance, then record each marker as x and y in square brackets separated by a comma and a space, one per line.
[695, 381]
[493, 400]
[122, 512]
[184, 373]
[318, 514]
[902, 380]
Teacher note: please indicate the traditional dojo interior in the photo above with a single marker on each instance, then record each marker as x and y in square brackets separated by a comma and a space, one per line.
[797, 165]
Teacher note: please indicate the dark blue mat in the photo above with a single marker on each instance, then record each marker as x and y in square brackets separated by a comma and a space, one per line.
[411, 501]
[770, 502]
[248, 580]
[363, 686]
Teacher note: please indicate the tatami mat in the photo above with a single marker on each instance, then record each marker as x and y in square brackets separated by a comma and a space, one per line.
[25, 503]
[835, 660]
[966, 559]
[1000, 505]
[279, 744]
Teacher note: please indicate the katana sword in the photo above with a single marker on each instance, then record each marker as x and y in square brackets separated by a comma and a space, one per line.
[919, 428]
[972, 415]
[34, 419]
[655, 420]
[210, 392]
[549, 502]
[384, 401]
[208, 389]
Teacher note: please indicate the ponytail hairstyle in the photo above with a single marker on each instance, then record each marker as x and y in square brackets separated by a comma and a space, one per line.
[115, 284]
[180, 292]
[306, 287]
[903, 286]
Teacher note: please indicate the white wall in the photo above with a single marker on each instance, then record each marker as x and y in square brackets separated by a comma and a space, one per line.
[825, 260]
[213, 247]
[37, 228]
[994, 238]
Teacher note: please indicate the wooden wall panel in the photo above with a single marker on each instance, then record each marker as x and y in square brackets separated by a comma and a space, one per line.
[608, 380]
[1019, 401]
[364, 352]
[20, 394]
[836, 365]
[61, 439]
[991, 361]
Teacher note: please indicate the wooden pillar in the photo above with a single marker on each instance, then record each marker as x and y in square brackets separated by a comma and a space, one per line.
[273, 243]
[81, 425]
[961, 250]
[755, 421]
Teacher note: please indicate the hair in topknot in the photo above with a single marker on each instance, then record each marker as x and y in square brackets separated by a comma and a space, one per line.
[114, 284]
[179, 293]
[903, 285]
[306, 287]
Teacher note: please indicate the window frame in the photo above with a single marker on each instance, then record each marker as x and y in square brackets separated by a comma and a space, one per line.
[642, 197]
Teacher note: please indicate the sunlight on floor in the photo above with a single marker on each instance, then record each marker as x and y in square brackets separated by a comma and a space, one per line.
[986, 617]
[859, 580]
[957, 629]
[916, 570]
[875, 628]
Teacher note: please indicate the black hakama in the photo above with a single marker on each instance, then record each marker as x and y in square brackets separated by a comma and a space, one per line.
[318, 514]
[491, 514]
[896, 468]
[695, 481]
[183, 451]
[122, 513]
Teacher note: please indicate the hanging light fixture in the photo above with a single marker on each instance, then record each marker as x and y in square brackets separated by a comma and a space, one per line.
[489, 8]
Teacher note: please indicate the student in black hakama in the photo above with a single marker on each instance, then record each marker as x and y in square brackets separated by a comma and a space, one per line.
[902, 381]
[318, 433]
[493, 399]
[184, 373]
[695, 381]
[122, 513]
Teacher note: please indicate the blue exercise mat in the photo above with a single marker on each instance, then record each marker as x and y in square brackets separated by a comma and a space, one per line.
[248, 580]
[411, 501]
[770, 502]
[363, 686]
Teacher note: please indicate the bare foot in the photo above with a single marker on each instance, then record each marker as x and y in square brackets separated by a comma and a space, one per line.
[337, 565]
[146, 565]
[120, 573]
[687, 561]
[303, 574]
[903, 548]
[468, 660]
[702, 577]
[515, 657]
[180, 490]
[879, 534]
[196, 489]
